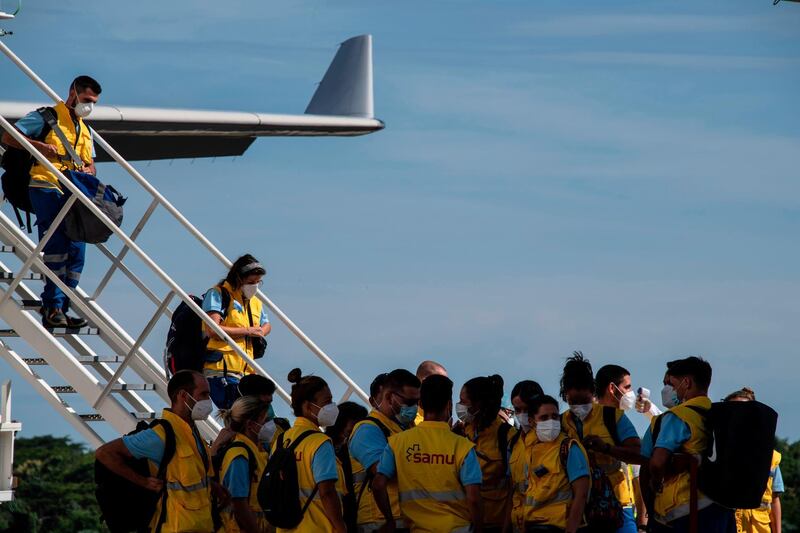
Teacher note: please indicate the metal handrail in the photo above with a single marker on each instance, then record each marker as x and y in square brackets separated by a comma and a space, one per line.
[352, 386]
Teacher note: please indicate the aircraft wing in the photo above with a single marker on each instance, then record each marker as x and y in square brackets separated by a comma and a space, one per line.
[341, 106]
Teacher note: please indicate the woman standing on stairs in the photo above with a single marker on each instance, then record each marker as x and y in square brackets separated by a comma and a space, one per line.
[232, 305]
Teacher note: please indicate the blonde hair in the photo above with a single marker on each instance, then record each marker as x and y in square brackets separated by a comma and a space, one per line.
[243, 410]
[745, 393]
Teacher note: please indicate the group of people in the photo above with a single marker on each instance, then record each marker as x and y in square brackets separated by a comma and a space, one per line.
[415, 461]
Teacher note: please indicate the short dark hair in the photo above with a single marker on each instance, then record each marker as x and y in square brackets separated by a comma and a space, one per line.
[527, 390]
[487, 393]
[609, 374]
[577, 374]
[256, 385]
[283, 423]
[538, 402]
[304, 389]
[81, 83]
[696, 367]
[434, 393]
[348, 411]
[397, 379]
[182, 380]
[377, 384]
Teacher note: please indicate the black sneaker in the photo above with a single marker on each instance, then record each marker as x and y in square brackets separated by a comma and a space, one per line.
[75, 321]
[54, 318]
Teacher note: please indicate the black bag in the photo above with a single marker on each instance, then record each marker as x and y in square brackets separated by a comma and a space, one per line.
[186, 343]
[17, 164]
[259, 343]
[80, 224]
[279, 490]
[125, 506]
[736, 466]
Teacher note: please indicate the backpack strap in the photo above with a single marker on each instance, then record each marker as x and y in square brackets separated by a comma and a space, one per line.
[657, 428]
[563, 451]
[52, 121]
[370, 476]
[295, 443]
[251, 458]
[49, 116]
[610, 421]
[514, 440]
[502, 444]
[169, 453]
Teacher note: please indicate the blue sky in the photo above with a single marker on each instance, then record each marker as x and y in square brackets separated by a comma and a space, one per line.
[553, 176]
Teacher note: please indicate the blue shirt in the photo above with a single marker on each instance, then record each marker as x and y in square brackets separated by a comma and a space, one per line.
[212, 302]
[577, 466]
[148, 445]
[237, 478]
[367, 444]
[673, 434]
[470, 473]
[323, 465]
[31, 125]
[777, 481]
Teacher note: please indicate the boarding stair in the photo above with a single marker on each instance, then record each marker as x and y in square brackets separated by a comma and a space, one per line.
[102, 374]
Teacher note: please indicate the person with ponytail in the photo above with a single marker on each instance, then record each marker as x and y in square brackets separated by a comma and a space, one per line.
[478, 409]
[558, 478]
[253, 429]
[519, 447]
[317, 472]
[233, 305]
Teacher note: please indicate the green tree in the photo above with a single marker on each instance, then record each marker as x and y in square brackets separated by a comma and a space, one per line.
[790, 500]
[56, 488]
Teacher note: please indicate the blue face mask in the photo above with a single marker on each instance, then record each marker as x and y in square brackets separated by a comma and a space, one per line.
[407, 414]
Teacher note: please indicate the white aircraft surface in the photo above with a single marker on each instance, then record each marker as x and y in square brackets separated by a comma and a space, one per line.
[341, 106]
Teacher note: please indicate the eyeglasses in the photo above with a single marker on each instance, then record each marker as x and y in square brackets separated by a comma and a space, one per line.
[408, 402]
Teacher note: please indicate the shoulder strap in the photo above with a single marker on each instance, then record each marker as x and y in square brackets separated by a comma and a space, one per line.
[225, 297]
[48, 115]
[53, 123]
[657, 428]
[296, 442]
[702, 411]
[386, 431]
[502, 443]
[610, 421]
[251, 458]
[563, 452]
[514, 440]
[169, 453]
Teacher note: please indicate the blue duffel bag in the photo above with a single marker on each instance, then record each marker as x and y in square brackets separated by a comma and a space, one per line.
[80, 224]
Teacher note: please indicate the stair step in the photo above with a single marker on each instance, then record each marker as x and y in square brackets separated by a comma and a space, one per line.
[85, 359]
[68, 389]
[94, 417]
[10, 276]
[56, 332]
[30, 305]
[7, 249]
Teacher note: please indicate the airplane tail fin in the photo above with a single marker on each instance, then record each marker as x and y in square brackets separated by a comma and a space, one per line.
[346, 88]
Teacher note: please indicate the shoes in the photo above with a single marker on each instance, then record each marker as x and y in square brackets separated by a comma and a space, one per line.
[56, 318]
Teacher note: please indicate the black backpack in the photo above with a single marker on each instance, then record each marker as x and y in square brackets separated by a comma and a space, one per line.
[186, 343]
[735, 467]
[125, 506]
[279, 489]
[17, 164]
[80, 224]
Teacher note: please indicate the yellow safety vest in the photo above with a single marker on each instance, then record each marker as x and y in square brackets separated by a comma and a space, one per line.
[420, 416]
[549, 495]
[81, 142]
[228, 519]
[518, 465]
[429, 458]
[315, 519]
[758, 520]
[187, 482]
[236, 318]
[613, 468]
[368, 512]
[673, 500]
[495, 487]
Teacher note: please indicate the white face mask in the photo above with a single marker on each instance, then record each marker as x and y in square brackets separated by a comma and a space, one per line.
[249, 290]
[267, 431]
[548, 430]
[669, 397]
[327, 414]
[581, 410]
[628, 399]
[523, 422]
[201, 409]
[83, 109]
[463, 414]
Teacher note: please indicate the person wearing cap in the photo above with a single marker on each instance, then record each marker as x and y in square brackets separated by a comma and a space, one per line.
[244, 319]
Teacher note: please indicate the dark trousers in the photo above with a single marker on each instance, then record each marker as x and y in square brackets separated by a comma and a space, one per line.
[712, 519]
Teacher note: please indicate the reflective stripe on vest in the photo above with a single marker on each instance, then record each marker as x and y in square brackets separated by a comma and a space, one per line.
[422, 494]
[191, 488]
[682, 510]
[562, 496]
